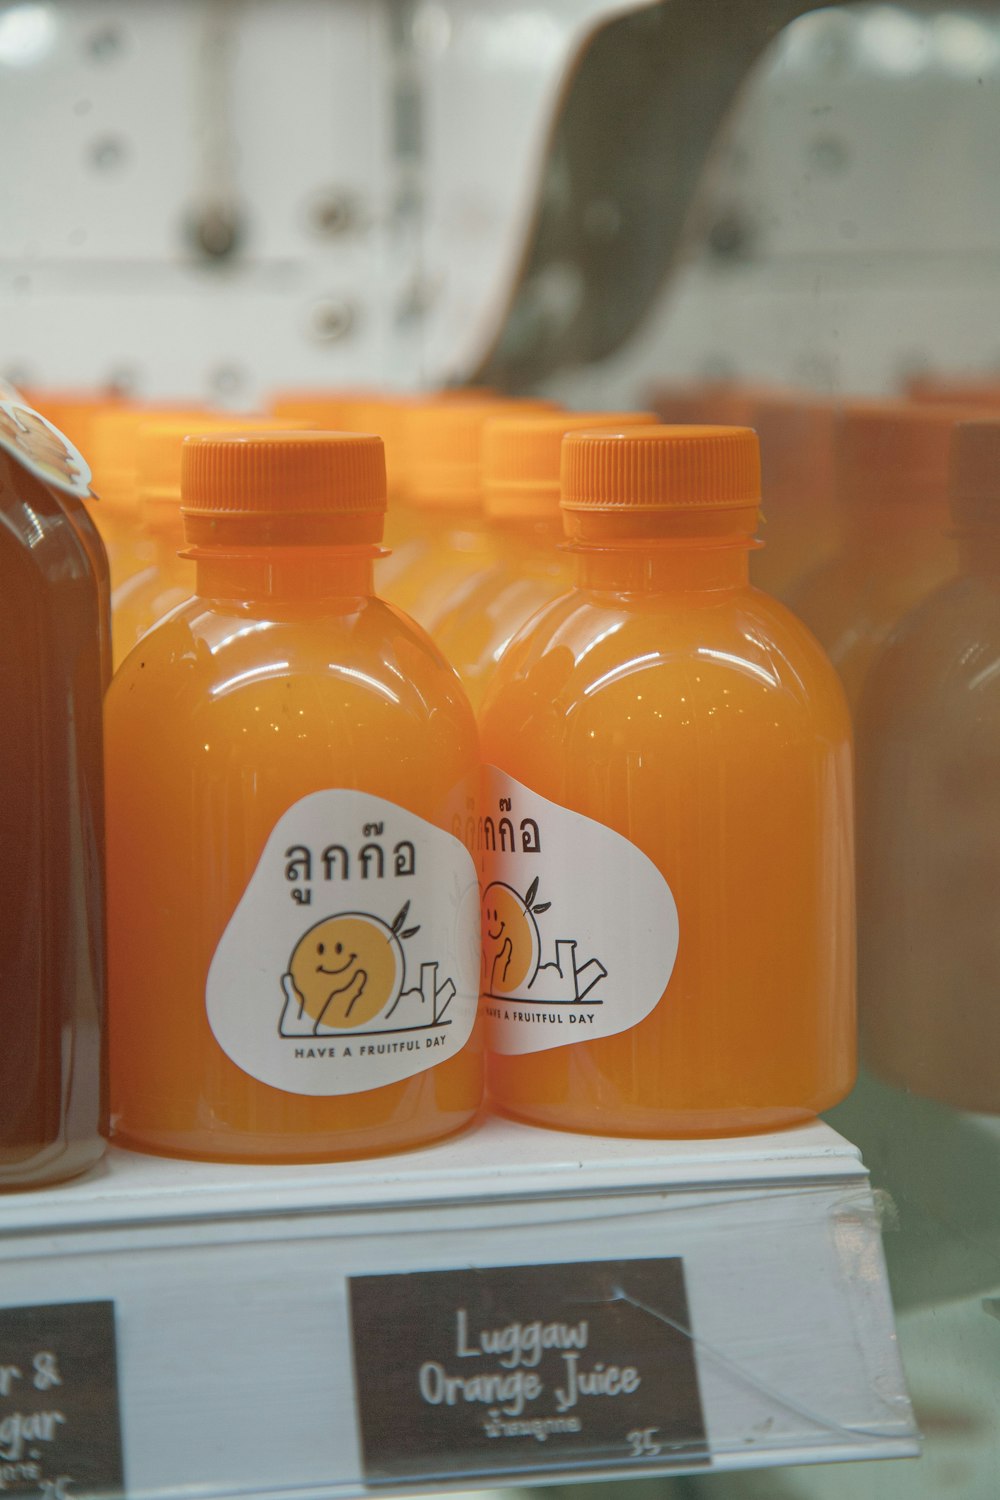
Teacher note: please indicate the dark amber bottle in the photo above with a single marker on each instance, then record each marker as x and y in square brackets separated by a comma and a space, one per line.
[52, 624]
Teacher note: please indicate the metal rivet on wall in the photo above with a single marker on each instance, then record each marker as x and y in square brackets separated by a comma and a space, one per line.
[334, 213]
[331, 320]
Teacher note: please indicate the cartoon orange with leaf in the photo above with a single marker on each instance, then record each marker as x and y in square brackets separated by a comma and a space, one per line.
[512, 952]
[511, 941]
[344, 971]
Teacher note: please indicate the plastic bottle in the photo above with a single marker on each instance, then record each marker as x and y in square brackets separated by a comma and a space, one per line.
[114, 435]
[667, 862]
[455, 546]
[929, 816]
[52, 1103]
[892, 499]
[168, 577]
[72, 414]
[293, 778]
[521, 506]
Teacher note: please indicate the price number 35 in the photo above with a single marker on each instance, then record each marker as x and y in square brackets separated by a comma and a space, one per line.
[642, 1442]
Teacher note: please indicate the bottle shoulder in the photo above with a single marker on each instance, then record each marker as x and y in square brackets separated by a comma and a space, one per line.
[38, 534]
[941, 662]
[593, 656]
[368, 660]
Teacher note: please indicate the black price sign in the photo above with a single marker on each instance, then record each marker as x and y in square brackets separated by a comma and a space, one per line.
[60, 1433]
[525, 1367]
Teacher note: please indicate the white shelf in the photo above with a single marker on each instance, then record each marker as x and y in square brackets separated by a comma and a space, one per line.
[231, 1291]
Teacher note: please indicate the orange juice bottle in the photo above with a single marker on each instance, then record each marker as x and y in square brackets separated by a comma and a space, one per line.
[168, 577]
[114, 435]
[52, 1099]
[521, 504]
[293, 778]
[929, 816]
[667, 863]
[455, 547]
[891, 464]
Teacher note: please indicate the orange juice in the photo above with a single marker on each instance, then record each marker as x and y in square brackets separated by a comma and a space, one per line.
[168, 577]
[667, 860]
[293, 778]
[454, 546]
[114, 435]
[891, 465]
[521, 504]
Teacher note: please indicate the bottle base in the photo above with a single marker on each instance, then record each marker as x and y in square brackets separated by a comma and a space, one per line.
[670, 1124]
[58, 1162]
[253, 1151]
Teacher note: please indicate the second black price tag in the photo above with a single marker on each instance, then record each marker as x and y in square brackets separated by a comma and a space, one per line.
[60, 1435]
[518, 1368]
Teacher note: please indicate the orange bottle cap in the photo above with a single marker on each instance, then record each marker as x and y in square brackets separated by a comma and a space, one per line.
[660, 482]
[975, 472]
[444, 448]
[661, 468]
[283, 488]
[114, 441]
[522, 456]
[891, 451]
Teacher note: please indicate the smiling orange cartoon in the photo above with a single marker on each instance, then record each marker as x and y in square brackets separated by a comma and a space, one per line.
[346, 969]
[511, 942]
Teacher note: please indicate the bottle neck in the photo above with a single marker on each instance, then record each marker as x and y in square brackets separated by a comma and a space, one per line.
[665, 568]
[285, 575]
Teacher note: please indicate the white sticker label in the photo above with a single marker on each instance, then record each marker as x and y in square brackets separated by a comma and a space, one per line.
[352, 959]
[579, 926]
[42, 449]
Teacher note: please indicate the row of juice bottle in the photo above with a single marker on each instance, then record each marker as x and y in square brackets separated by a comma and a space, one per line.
[654, 823]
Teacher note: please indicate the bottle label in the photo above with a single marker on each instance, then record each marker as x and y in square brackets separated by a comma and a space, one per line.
[579, 926]
[42, 449]
[352, 959]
